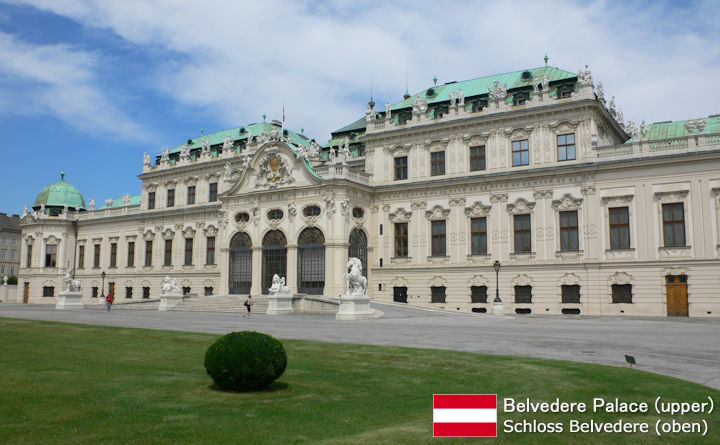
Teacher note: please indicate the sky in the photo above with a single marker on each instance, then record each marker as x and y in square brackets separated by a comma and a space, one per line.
[89, 86]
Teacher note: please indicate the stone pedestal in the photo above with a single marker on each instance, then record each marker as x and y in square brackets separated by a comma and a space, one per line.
[354, 307]
[69, 301]
[4, 293]
[498, 310]
[280, 304]
[169, 301]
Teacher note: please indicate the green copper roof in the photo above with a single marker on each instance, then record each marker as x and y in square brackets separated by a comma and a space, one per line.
[59, 194]
[669, 130]
[472, 87]
[235, 133]
[135, 200]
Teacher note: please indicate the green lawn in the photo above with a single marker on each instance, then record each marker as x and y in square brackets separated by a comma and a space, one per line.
[64, 383]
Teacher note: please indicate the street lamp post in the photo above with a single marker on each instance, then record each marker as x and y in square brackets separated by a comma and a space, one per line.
[497, 303]
[102, 291]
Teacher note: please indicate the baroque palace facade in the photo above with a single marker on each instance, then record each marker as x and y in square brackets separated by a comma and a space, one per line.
[534, 169]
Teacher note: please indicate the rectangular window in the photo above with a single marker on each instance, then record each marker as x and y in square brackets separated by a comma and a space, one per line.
[570, 293]
[28, 260]
[2, 268]
[522, 234]
[50, 255]
[168, 252]
[81, 257]
[523, 294]
[569, 231]
[3, 255]
[146, 292]
[674, 224]
[437, 294]
[208, 291]
[520, 153]
[566, 147]
[401, 170]
[185, 290]
[401, 239]
[619, 228]
[478, 236]
[12, 254]
[437, 163]
[213, 192]
[151, 200]
[48, 291]
[191, 194]
[478, 294]
[438, 238]
[128, 292]
[171, 198]
[95, 291]
[188, 251]
[210, 254]
[148, 253]
[622, 293]
[477, 158]
[12, 270]
[131, 254]
[96, 256]
[113, 254]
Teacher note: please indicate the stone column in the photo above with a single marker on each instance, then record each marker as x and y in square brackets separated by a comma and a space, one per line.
[292, 277]
[256, 288]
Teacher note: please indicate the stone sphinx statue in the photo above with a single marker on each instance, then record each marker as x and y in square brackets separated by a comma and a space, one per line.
[356, 282]
[73, 285]
[170, 287]
[278, 285]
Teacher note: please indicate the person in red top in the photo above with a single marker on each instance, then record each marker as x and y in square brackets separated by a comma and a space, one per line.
[109, 300]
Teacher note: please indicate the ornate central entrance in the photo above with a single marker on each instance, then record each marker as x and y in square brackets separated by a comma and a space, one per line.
[311, 261]
[240, 264]
[274, 258]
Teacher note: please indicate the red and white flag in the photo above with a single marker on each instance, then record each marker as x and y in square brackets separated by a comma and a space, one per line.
[465, 415]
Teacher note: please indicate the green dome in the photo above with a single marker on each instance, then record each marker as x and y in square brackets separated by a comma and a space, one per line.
[59, 194]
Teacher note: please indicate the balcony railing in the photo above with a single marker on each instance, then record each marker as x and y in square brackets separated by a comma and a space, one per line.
[643, 148]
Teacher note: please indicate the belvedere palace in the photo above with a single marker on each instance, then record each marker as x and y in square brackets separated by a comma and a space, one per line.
[534, 175]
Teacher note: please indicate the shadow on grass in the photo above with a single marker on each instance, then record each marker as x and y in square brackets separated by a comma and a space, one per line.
[273, 387]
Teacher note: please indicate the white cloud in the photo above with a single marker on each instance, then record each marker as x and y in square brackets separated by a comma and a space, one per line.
[58, 80]
[241, 59]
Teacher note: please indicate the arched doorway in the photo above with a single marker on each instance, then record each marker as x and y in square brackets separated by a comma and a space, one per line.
[358, 248]
[240, 276]
[274, 257]
[311, 261]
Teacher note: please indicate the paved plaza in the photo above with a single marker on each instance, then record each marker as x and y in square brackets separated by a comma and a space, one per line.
[680, 347]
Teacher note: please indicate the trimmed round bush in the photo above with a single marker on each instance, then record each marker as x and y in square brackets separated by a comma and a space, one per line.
[245, 361]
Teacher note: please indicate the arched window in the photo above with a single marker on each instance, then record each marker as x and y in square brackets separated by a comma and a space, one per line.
[274, 257]
[311, 211]
[358, 248]
[240, 274]
[275, 214]
[311, 261]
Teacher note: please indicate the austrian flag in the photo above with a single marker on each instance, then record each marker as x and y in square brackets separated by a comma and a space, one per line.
[465, 415]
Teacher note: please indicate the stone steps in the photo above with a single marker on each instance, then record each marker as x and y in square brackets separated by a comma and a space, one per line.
[221, 304]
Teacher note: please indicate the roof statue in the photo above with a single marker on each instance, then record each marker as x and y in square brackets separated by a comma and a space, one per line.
[546, 83]
[535, 85]
[246, 160]
[600, 93]
[25, 211]
[388, 112]
[461, 97]
[611, 107]
[108, 202]
[146, 160]
[700, 123]
[314, 150]
[498, 91]
[126, 200]
[345, 150]
[91, 205]
[228, 143]
[185, 152]
[585, 77]
[643, 129]
[631, 129]
[419, 106]
[453, 100]
[249, 138]
[332, 157]
[164, 155]
[620, 117]
[370, 114]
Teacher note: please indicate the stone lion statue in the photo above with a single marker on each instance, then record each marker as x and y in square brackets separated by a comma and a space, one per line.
[356, 282]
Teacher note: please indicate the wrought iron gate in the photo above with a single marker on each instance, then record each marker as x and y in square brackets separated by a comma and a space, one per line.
[311, 262]
[240, 264]
[358, 248]
[274, 258]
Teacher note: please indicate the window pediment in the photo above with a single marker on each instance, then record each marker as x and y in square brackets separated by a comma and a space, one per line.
[567, 202]
[674, 196]
[437, 212]
[477, 209]
[621, 278]
[520, 206]
[400, 215]
[614, 201]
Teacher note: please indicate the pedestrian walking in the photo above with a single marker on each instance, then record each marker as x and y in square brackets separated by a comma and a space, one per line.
[248, 304]
[109, 301]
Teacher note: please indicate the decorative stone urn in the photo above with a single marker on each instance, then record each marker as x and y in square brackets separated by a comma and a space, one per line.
[355, 304]
[71, 298]
[279, 297]
[170, 294]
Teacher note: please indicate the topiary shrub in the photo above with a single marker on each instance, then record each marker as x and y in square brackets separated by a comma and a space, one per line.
[13, 279]
[245, 361]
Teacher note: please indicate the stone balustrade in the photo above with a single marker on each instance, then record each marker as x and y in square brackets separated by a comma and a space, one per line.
[643, 148]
